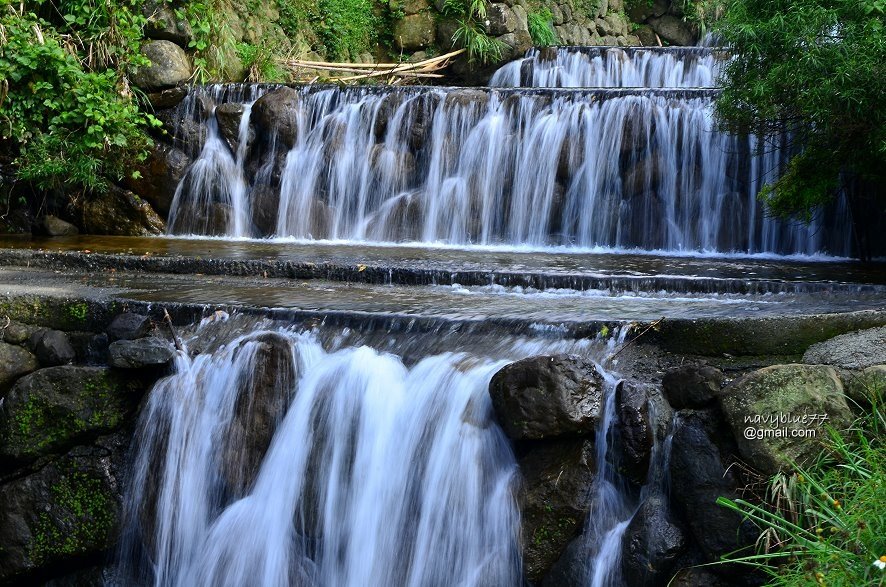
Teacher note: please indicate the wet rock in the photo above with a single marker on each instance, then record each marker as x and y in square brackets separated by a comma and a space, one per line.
[64, 512]
[466, 97]
[119, 212]
[128, 326]
[572, 569]
[783, 393]
[52, 348]
[697, 578]
[263, 399]
[168, 98]
[558, 478]
[387, 108]
[275, 116]
[500, 20]
[229, 116]
[169, 66]
[163, 24]
[139, 353]
[862, 388]
[265, 205]
[635, 430]
[414, 32]
[700, 474]
[160, 173]
[53, 408]
[646, 35]
[855, 350]
[185, 132]
[15, 362]
[51, 225]
[547, 396]
[651, 543]
[692, 386]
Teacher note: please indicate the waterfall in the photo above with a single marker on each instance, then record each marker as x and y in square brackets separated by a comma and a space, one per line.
[275, 462]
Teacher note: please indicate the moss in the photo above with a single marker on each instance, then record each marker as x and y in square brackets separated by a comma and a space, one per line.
[80, 518]
[78, 311]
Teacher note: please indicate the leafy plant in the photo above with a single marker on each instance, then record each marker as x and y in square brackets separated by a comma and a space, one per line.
[827, 524]
[471, 32]
[541, 28]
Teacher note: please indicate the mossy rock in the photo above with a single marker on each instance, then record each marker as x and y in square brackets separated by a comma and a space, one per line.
[64, 512]
[51, 409]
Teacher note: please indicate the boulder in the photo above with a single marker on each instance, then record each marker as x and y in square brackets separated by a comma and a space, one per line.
[500, 20]
[651, 543]
[547, 397]
[414, 6]
[694, 577]
[64, 512]
[265, 392]
[674, 30]
[119, 212]
[15, 362]
[128, 326]
[169, 67]
[692, 386]
[168, 98]
[572, 569]
[52, 348]
[53, 408]
[163, 24]
[160, 175]
[855, 350]
[636, 433]
[17, 333]
[51, 225]
[775, 413]
[139, 353]
[558, 478]
[700, 474]
[275, 116]
[865, 386]
[228, 116]
[414, 32]
[646, 36]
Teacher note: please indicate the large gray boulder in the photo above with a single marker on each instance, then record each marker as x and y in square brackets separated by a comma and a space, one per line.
[651, 543]
[415, 32]
[15, 362]
[119, 212]
[855, 350]
[775, 413]
[51, 409]
[128, 326]
[169, 67]
[140, 353]
[275, 116]
[865, 387]
[692, 386]
[164, 24]
[547, 397]
[52, 348]
[674, 30]
[51, 225]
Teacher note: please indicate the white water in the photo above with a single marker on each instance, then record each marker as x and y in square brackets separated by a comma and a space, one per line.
[377, 474]
[582, 169]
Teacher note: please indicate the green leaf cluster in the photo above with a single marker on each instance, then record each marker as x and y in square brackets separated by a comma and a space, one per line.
[813, 71]
[541, 28]
[471, 32]
[67, 114]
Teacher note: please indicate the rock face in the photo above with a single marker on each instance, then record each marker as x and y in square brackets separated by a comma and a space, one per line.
[692, 386]
[856, 350]
[169, 66]
[14, 362]
[63, 512]
[651, 543]
[143, 352]
[547, 397]
[771, 409]
[698, 472]
[58, 406]
[558, 481]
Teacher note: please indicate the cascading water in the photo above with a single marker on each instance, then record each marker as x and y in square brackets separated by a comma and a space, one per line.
[612, 168]
[375, 473]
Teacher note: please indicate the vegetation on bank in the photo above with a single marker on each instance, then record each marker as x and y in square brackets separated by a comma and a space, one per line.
[812, 73]
[826, 524]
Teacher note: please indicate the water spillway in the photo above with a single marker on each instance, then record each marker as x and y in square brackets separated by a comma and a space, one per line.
[610, 167]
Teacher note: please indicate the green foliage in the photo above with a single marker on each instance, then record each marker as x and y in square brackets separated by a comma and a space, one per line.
[471, 32]
[827, 524]
[541, 28]
[347, 27]
[261, 62]
[66, 108]
[814, 69]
